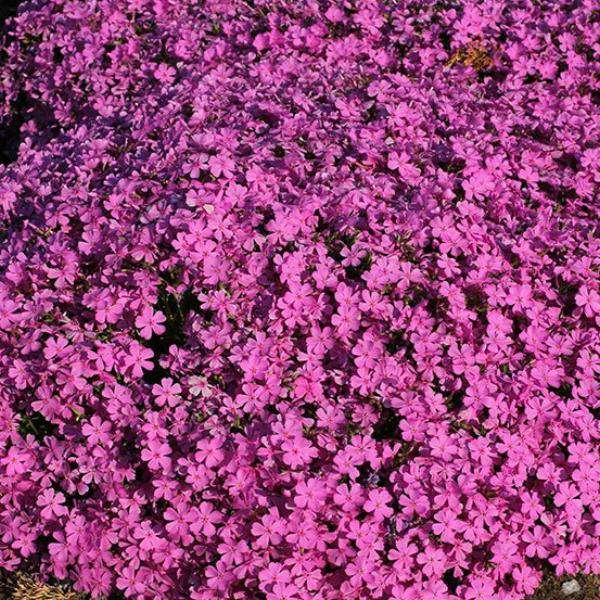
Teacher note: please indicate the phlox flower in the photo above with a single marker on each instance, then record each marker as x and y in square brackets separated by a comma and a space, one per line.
[52, 504]
[150, 322]
[167, 392]
[299, 300]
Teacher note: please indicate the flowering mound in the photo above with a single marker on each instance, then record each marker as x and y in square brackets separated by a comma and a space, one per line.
[300, 300]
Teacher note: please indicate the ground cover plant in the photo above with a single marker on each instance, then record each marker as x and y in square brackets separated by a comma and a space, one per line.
[300, 300]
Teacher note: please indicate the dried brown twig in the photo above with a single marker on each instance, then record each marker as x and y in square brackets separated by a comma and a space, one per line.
[24, 587]
[474, 54]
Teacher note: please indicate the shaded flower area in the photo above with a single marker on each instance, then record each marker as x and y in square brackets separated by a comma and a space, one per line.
[300, 300]
[25, 587]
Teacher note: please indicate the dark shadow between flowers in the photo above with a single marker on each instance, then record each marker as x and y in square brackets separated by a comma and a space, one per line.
[176, 310]
[8, 9]
[10, 131]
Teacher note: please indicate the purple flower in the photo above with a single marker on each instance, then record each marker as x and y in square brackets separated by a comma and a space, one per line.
[299, 300]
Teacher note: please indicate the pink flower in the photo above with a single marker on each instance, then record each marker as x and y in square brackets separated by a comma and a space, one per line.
[55, 347]
[221, 165]
[377, 504]
[310, 494]
[210, 452]
[165, 73]
[432, 561]
[480, 589]
[363, 534]
[131, 581]
[402, 555]
[298, 452]
[401, 163]
[150, 322]
[299, 299]
[167, 392]
[138, 359]
[96, 430]
[269, 530]
[205, 519]
[414, 503]
[589, 300]
[179, 519]
[537, 542]
[156, 454]
[16, 462]
[52, 504]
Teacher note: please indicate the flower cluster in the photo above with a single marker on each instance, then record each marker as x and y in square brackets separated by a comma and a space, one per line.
[300, 299]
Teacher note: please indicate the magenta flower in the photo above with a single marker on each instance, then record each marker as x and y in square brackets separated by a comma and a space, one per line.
[537, 542]
[310, 494]
[179, 520]
[97, 431]
[589, 300]
[131, 581]
[150, 322]
[52, 504]
[167, 392]
[156, 454]
[300, 299]
[15, 462]
[377, 504]
[138, 359]
[432, 561]
[269, 531]
[205, 519]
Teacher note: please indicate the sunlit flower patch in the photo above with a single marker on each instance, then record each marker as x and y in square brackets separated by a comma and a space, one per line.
[300, 300]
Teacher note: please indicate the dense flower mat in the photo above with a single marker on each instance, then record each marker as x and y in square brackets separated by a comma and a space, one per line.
[298, 299]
